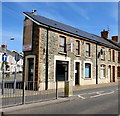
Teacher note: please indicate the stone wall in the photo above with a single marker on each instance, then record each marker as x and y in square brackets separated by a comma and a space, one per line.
[40, 33]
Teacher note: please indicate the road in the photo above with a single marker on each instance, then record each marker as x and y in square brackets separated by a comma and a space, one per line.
[93, 101]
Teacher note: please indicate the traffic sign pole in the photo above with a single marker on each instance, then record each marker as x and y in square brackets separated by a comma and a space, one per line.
[3, 78]
[15, 79]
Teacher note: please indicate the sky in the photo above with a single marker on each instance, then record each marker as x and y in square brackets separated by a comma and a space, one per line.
[91, 17]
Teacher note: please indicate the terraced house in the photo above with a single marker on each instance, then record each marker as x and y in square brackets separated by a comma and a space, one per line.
[55, 51]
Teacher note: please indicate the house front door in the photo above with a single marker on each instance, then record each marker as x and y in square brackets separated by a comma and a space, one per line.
[77, 75]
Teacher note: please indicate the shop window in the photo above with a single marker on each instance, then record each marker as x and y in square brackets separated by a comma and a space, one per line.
[102, 71]
[87, 70]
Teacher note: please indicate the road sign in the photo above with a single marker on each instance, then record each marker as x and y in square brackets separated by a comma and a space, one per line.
[4, 57]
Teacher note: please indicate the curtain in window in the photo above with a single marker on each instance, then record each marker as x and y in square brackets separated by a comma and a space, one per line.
[102, 71]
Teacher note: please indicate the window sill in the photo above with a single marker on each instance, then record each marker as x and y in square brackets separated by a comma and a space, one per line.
[63, 53]
[87, 78]
[102, 77]
[77, 55]
[88, 57]
[102, 59]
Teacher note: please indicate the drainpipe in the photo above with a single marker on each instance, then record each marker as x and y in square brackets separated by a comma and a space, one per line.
[46, 77]
[96, 63]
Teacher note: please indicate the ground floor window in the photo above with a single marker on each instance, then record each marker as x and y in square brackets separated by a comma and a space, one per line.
[61, 70]
[87, 70]
[102, 71]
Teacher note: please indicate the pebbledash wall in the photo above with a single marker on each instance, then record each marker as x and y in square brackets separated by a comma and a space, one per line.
[38, 53]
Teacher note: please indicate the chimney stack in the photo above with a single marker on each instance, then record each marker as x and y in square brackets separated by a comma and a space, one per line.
[105, 34]
[3, 46]
[115, 38]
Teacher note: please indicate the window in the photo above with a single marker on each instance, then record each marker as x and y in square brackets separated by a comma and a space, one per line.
[113, 56]
[61, 70]
[118, 71]
[102, 68]
[103, 53]
[87, 70]
[88, 49]
[62, 44]
[118, 57]
[77, 47]
[109, 54]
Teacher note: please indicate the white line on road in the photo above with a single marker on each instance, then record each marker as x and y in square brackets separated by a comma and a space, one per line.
[92, 93]
[101, 94]
[81, 97]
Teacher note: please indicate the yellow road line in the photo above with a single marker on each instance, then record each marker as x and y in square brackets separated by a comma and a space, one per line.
[48, 92]
[27, 95]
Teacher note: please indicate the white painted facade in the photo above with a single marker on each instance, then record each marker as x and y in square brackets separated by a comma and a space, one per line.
[11, 62]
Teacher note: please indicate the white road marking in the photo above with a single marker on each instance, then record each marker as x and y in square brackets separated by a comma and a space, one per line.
[81, 97]
[91, 93]
[102, 94]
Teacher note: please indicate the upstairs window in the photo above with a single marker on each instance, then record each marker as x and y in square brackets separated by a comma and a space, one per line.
[87, 70]
[77, 47]
[88, 49]
[109, 54]
[62, 44]
[118, 57]
[103, 53]
[113, 56]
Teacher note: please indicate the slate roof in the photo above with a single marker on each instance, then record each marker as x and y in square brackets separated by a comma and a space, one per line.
[63, 27]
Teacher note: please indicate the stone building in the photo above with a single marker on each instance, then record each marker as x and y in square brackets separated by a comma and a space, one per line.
[55, 51]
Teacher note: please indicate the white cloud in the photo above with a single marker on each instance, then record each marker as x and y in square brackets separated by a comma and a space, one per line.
[82, 12]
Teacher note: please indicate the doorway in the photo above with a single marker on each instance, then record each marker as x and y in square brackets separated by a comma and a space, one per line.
[109, 73]
[113, 73]
[77, 73]
[30, 73]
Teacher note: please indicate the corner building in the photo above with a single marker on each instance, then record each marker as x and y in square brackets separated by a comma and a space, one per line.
[55, 51]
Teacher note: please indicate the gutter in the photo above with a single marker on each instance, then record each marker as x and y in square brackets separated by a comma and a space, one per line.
[46, 75]
[96, 63]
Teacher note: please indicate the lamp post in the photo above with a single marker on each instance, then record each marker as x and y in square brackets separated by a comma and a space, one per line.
[4, 59]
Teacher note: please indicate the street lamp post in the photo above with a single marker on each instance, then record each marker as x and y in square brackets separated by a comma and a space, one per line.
[4, 59]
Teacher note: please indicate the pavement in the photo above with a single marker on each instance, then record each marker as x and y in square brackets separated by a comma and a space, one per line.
[59, 100]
